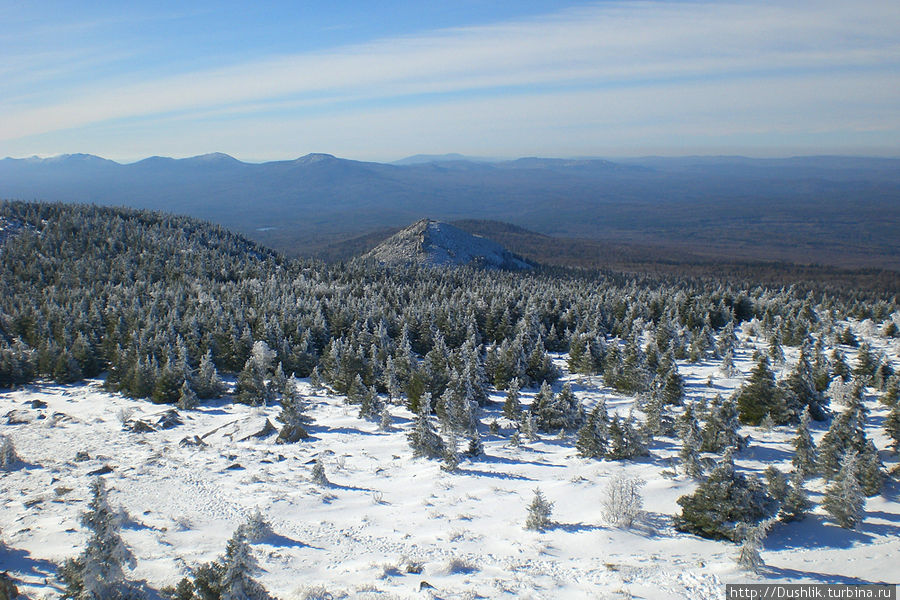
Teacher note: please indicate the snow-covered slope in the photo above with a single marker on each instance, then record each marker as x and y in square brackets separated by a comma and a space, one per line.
[433, 243]
[385, 512]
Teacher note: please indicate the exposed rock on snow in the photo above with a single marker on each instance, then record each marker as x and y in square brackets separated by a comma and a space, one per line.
[432, 243]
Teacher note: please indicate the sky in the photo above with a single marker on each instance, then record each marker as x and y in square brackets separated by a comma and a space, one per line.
[381, 81]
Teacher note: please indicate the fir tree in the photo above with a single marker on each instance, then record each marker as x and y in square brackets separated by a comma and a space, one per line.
[796, 503]
[805, 454]
[292, 418]
[240, 567]
[97, 574]
[423, 439]
[723, 500]
[749, 557]
[760, 397]
[512, 408]
[844, 499]
[187, 399]
[592, 437]
[539, 512]
[892, 426]
[317, 473]
[8, 457]
[689, 454]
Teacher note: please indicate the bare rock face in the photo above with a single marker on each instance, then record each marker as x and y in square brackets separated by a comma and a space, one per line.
[433, 244]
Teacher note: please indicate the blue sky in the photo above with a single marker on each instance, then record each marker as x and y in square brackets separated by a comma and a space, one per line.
[379, 81]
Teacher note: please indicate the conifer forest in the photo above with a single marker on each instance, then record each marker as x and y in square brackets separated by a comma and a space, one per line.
[187, 414]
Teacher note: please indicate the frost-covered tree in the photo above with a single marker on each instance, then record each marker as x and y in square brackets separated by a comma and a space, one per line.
[8, 457]
[777, 483]
[423, 439]
[97, 573]
[805, 454]
[292, 417]
[797, 503]
[317, 473]
[187, 399]
[592, 438]
[760, 397]
[512, 408]
[240, 567]
[557, 412]
[622, 501]
[892, 426]
[749, 557]
[844, 499]
[725, 499]
[539, 512]
[689, 454]
[206, 382]
[256, 528]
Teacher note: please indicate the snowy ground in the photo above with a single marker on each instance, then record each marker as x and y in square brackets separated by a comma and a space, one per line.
[386, 510]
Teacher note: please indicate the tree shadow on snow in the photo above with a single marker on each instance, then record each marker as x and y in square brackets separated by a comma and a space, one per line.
[348, 430]
[503, 460]
[765, 454]
[575, 527]
[282, 541]
[795, 575]
[480, 473]
[815, 532]
[20, 561]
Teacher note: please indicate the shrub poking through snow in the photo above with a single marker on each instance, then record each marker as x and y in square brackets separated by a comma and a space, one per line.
[622, 500]
[538, 512]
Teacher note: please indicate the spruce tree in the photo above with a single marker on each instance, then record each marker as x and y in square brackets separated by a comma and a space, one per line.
[97, 573]
[805, 455]
[240, 566]
[592, 437]
[844, 499]
[187, 399]
[423, 439]
[539, 511]
[512, 408]
[724, 499]
[892, 426]
[689, 454]
[796, 504]
[8, 457]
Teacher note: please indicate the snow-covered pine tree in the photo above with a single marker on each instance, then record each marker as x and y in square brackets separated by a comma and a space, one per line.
[691, 441]
[423, 439]
[8, 457]
[292, 418]
[725, 498]
[317, 473]
[256, 528]
[206, 382]
[539, 512]
[187, 399]
[844, 499]
[892, 426]
[240, 567]
[592, 437]
[97, 573]
[796, 504]
[805, 455]
[749, 557]
[512, 408]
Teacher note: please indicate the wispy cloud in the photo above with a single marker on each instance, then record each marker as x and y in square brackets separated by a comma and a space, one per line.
[663, 66]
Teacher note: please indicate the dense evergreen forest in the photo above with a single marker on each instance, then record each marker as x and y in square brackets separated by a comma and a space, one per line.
[159, 301]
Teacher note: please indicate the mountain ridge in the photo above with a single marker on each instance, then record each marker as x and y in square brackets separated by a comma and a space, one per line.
[839, 211]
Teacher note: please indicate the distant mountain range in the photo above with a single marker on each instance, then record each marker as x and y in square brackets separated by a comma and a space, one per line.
[841, 211]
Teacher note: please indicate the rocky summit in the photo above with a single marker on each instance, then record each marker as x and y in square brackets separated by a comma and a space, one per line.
[433, 243]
